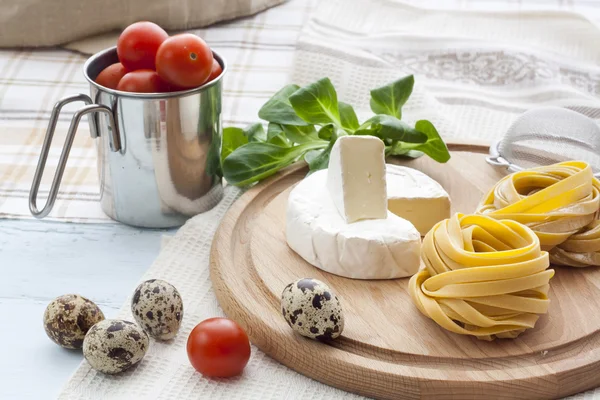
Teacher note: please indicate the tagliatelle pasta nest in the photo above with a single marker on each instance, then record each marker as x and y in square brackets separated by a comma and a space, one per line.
[559, 203]
[579, 250]
[483, 277]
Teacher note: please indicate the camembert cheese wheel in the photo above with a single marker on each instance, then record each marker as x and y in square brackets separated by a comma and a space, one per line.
[556, 201]
[483, 277]
[367, 249]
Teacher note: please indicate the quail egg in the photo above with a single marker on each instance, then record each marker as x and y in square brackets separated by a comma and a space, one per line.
[112, 346]
[157, 307]
[312, 309]
[68, 318]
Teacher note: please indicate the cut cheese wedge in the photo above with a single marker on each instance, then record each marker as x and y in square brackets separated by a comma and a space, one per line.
[367, 249]
[414, 196]
[356, 178]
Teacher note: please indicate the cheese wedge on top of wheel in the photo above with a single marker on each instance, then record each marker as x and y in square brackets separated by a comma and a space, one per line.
[367, 249]
[337, 219]
[416, 197]
[356, 178]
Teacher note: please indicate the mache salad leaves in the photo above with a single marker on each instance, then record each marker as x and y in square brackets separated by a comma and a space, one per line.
[305, 122]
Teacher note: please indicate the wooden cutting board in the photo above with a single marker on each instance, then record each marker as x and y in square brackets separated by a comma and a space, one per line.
[389, 350]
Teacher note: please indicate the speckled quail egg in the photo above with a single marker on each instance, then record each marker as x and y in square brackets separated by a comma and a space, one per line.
[312, 309]
[112, 346]
[157, 307]
[68, 318]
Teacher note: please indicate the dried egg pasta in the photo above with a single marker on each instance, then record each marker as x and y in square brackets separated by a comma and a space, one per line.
[482, 277]
[579, 250]
[559, 203]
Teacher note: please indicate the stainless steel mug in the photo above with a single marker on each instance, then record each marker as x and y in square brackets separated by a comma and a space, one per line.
[158, 154]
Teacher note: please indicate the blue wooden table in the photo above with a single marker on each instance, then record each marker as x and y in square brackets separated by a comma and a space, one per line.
[40, 260]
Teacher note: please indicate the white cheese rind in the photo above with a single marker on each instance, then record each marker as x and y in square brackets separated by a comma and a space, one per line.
[356, 178]
[414, 196]
[368, 249]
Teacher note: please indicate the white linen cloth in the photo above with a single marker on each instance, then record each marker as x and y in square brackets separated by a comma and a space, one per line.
[476, 69]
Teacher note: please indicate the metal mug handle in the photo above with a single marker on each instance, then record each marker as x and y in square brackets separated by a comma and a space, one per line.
[64, 155]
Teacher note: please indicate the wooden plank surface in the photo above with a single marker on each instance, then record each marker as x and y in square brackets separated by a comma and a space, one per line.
[40, 260]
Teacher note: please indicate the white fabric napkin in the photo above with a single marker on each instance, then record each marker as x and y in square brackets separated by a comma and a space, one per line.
[475, 70]
[165, 372]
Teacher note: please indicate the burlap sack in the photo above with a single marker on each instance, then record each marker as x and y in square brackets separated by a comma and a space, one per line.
[33, 23]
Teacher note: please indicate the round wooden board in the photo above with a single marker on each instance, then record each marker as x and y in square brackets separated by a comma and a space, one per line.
[389, 350]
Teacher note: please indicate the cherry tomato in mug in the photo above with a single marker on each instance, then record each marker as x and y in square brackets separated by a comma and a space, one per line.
[142, 81]
[215, 71]
[138, 44]
[218, 347]
[184, 60]
[111, 75]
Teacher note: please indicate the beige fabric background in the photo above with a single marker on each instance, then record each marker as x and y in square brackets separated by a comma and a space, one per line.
[32, 23]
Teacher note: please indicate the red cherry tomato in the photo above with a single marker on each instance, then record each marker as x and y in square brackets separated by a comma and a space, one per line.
[218, 347]
[138, 44]
[215, 71]
[111, 75]
[142, 81]
[184, 60]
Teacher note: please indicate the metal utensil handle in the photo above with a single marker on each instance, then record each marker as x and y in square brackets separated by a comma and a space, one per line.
[64, 155]
[497, 160]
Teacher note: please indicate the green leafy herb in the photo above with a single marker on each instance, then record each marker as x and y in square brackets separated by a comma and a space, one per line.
[274, 130]
[396, 149]
[327, 132]
[319, 159]
[255, 133]
[390, 98]
[232, 139]
[279, 110]
[236, 137]
[300, 134]
[434, 147]
[317, 103]
[304, 123]
[348, 118]
[280, 141]
[388, 127]
[276, 135]
[255, 161]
